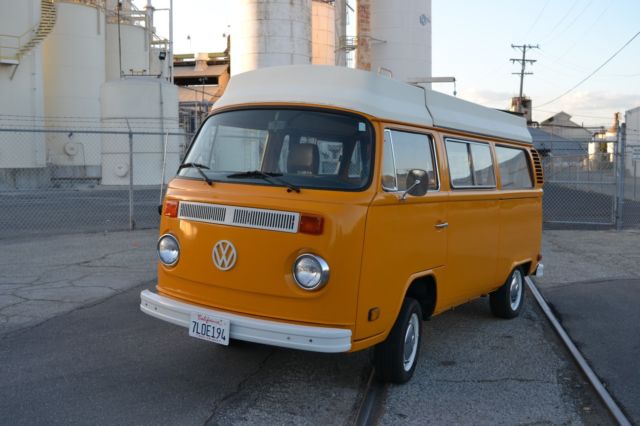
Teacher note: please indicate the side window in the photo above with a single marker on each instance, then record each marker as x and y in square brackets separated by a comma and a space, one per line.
[470, 164]
[483, 173]
[388, 164]
[514, 168]
[459, 163]
[403, 152]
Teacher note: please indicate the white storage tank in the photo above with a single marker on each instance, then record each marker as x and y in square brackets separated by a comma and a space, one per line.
[22, 155]
[323, 33]
[267, 33]
[74, 60]
[135, 50]
[146, 104]
[398, 34]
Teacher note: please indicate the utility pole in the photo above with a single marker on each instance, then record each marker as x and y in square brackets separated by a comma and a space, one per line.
[523, 62]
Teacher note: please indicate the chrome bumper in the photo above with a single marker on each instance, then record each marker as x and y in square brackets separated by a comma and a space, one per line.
[308, 338]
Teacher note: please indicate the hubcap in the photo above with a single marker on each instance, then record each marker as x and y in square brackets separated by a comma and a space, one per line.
[515, 290]
[411, 342]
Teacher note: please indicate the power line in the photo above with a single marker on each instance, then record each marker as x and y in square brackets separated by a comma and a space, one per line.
[593, 73]
[538, 18]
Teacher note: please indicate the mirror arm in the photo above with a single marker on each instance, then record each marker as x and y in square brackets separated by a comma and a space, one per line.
[409, 189]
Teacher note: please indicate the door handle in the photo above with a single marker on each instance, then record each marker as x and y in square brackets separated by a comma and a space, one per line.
[441, 225]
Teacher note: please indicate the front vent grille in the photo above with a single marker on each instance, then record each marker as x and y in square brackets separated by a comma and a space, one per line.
[265, 219]
[202, 212]
[537, 164]
[244, 217]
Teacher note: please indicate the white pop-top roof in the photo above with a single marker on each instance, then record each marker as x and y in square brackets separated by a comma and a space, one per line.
[372, 94]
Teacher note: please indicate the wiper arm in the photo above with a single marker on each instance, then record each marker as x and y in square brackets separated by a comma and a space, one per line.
[199, 168]
[268, 176]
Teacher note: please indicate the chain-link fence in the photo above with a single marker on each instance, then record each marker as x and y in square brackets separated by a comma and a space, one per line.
[66, 180]
[598, 186]
[579, 189]
[57, 181]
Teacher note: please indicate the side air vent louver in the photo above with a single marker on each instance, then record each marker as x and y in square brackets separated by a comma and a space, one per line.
[244, 217]
[537, 164]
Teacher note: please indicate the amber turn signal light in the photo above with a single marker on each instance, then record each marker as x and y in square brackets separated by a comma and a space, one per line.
[171, 208]
[311, 224]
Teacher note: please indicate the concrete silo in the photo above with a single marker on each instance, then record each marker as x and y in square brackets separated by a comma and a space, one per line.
[142, 104]
[23, 26]
[127, 44]
[395, 37]
[74, 64]
[266, 33]
[323, 33]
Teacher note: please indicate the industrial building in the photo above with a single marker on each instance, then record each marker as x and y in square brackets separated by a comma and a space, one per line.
[97, 66]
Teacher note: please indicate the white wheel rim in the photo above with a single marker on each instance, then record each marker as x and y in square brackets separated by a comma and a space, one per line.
[411, 339]
[515, 290]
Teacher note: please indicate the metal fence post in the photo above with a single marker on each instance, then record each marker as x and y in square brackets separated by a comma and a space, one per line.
[132, 223]
[620, 164]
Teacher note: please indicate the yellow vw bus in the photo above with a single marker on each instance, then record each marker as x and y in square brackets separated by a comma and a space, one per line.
[333, 210]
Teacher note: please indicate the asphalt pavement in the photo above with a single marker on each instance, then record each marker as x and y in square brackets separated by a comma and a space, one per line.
[75, 349]
[603, 320]
[593, 287]
[48, 276]
[111, 364]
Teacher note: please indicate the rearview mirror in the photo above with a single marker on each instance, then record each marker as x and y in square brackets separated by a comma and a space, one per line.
[417, 183]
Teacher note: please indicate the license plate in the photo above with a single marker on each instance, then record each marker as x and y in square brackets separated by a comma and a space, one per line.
[209, 328]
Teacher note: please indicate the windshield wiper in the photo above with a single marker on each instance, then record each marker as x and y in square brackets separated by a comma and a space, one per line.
[199, 168]
[268, 176]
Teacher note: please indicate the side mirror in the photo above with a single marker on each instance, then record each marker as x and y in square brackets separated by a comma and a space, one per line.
[417, 183]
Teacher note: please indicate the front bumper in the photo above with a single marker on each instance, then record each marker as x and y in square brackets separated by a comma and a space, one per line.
[308, 338]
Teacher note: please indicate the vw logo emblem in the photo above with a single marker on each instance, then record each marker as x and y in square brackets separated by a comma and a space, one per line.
[224, 255]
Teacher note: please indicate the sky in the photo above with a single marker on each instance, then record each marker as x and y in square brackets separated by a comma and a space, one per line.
[472, 42]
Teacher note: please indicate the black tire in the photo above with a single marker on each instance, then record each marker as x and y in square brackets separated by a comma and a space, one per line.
[389, 356]
[507, 301]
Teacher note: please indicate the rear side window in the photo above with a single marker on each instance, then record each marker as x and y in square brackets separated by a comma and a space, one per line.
[515, 172]
[403, 152]
[470, 164]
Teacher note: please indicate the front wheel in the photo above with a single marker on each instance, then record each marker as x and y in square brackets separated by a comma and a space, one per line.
[507, 301]
[396, 358]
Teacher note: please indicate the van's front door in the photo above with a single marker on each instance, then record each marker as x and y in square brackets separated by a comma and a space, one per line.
[405, 237]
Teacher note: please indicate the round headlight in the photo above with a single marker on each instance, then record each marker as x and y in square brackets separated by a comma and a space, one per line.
[311, 272]
[168, 250]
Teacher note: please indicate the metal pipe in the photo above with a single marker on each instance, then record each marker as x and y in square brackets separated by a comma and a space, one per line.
[164, 166]
[131, 221]
[171, 41]
[620, 164]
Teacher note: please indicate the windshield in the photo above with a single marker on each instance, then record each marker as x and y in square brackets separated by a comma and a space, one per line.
[302, 148]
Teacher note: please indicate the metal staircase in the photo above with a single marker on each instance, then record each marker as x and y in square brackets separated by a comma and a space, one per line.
[13, 47]
[47, 21]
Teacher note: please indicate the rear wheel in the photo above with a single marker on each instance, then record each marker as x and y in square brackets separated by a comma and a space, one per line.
[396, 358]
[507, 301]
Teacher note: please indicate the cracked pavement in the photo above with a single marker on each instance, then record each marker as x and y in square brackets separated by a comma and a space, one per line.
[45, 277]
[108, 363]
